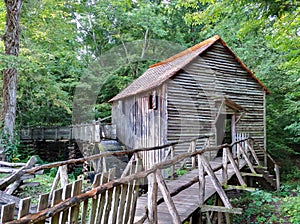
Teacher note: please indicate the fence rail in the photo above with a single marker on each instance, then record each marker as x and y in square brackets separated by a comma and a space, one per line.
[114, 200]
[88, 132]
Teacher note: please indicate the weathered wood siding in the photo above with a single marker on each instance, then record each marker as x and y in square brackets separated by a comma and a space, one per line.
[137, 125]
[193, 92]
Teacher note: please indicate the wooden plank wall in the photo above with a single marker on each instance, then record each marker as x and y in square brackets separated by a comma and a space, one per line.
[193, 92]
[137, 125]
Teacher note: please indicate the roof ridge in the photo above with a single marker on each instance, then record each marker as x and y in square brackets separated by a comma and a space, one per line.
[187, 51]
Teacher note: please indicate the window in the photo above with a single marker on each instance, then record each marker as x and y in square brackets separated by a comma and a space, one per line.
[153, 101]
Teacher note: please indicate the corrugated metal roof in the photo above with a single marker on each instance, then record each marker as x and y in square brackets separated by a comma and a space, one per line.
[158, 73]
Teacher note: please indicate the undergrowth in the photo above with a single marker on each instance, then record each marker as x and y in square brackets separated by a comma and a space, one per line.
[261, 206]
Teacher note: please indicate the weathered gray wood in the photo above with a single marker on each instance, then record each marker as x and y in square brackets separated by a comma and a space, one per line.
[152, 198]
[43, 203]
[108, 198]
[193, 149]
[225, 165]
[115, 204]
[64, 179]
[124, 188]
[215, 182]
[67, 193]
[167, 197]
[7, 213]
[54, 184]
[253, 153]
[24, 207]
[236, 169]
[57, 197]
[208, 208]
[201, 181]
[96, 183]
[277, 177]
[101, 200]
[246, 157]
[76, 190]
[15, 176]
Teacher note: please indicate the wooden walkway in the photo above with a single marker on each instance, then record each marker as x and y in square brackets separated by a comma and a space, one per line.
[186, 201]
[111, 200]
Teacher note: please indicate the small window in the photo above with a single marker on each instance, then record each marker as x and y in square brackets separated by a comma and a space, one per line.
[153, 101]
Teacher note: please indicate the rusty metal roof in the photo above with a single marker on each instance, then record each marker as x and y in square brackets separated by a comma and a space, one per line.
[160, 72]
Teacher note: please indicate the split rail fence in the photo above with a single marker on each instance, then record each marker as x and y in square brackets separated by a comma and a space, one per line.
[111, 200]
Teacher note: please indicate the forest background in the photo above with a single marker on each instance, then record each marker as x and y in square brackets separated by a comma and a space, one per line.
[61, 38]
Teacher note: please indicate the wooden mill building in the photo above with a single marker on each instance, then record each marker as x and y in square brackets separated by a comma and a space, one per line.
[205, 89]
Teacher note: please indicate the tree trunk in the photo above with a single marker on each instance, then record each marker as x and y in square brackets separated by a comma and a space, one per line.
[11, 41]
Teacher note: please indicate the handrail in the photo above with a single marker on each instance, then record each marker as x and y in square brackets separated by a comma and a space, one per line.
[111, 153]
[107, 186]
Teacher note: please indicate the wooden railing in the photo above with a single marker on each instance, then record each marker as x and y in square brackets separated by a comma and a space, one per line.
[114, 201]
[87, 132]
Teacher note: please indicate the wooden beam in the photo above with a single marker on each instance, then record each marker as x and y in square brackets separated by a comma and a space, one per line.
[244, 188]
[251, 174]
[208, 208]
[215, 182]
[246, 157]
[167, 197]
[236, 169]
[152, 198]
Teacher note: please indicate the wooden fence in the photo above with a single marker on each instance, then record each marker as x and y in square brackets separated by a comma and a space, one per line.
[88, 132]
[114, 201]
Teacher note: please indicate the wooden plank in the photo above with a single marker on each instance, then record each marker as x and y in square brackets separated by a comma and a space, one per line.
[101, 200]
[57, 197]
[201, 181]
[208, 208]
[67, 193]
[24, 207]
[124, 188]
[108, 198]
[95, 199]
[115, 204]
[167, 197]
[76, 190]
[7, 213]
[43, 204]
[215, 182]
[225, 165]
[236, 169]
[152, 198]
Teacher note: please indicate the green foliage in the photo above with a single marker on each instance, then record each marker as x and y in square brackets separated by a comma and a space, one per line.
[181, 172]
[290, 206]
[260, 207]
[10, 148]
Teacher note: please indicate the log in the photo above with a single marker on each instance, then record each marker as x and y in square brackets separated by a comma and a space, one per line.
[208, 208]
[8, 182]
[168, 199]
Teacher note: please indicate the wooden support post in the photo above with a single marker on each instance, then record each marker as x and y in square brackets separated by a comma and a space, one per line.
[193, 149]
[215, 182]
[152, 198]
[277, 173]
[201, 185]
[172, 168]
[246, 157]
[167, 198]
[220, 215]
[225, 165]
[24, 207]
[252, 152]
[236, 169]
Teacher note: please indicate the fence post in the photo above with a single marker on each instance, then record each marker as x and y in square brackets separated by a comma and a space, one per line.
[225, 165]
[152, 198]
[172, 168]
[193, 149]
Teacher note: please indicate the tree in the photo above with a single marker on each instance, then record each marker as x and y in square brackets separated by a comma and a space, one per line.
[12, 44]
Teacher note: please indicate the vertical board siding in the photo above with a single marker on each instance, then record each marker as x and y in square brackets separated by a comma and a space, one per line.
[193, 91]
